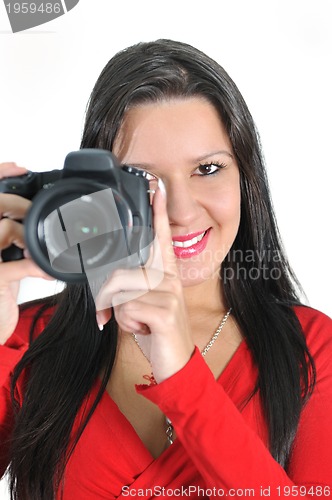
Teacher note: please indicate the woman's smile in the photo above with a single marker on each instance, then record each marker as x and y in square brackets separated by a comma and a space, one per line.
[191, 244]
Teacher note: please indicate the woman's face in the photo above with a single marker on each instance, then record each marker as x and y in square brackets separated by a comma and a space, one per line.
[184, 142]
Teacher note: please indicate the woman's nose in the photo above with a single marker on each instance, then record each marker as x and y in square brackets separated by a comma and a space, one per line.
[182, 205]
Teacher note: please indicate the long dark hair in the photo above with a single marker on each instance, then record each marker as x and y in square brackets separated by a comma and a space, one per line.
[62, 364]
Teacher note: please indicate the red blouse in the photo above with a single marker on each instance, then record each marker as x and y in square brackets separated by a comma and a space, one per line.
[221, 445]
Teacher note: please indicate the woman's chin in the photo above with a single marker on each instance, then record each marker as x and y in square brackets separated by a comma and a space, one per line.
[193, 276]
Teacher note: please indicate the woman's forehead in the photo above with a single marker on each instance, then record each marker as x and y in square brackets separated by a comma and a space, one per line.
[191, 127]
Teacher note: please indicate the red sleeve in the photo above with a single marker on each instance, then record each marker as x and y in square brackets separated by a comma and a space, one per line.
[227, 452]
[10, 354]
[311, 460]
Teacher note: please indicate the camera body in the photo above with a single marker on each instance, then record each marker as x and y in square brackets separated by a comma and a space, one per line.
[29, 184]
[85, 220]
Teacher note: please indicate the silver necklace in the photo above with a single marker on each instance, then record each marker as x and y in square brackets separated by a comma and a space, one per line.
[169, 425]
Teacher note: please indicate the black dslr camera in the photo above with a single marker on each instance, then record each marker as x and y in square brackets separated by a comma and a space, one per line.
[87, 219]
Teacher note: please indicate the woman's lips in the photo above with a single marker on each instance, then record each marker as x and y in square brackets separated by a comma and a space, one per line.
[190, 244]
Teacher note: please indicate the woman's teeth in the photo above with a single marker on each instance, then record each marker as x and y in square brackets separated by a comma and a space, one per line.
[188, 243]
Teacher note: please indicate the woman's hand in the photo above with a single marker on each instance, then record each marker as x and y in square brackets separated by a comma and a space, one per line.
[150, 302]
[12, 209]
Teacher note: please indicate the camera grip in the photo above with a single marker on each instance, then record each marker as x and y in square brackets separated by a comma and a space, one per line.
[22, 185]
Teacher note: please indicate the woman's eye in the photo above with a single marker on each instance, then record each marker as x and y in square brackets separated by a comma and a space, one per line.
[153, 180]
[150, 177]
[153, 184]
[209, 168]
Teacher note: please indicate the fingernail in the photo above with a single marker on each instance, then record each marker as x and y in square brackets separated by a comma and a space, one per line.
[99, 323]
[162, 187]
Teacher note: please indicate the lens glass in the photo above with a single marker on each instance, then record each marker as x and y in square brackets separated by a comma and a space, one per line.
[86, 233]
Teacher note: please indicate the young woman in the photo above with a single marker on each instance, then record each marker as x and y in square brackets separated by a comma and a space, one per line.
[215, 381]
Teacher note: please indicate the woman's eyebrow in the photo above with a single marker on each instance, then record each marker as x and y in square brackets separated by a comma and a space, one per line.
[143, 166]
[214, 153]
[199, 159]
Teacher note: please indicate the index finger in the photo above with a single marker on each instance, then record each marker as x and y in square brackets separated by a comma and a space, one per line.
[13, 206]
[19, 269]
[163, 256]
[10, 169]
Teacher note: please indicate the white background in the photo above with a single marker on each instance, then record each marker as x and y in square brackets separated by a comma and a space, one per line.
[278, 53]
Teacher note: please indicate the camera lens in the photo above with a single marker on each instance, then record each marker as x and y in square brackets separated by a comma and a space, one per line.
[86, 227]
[78, 227]
[92, 222]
